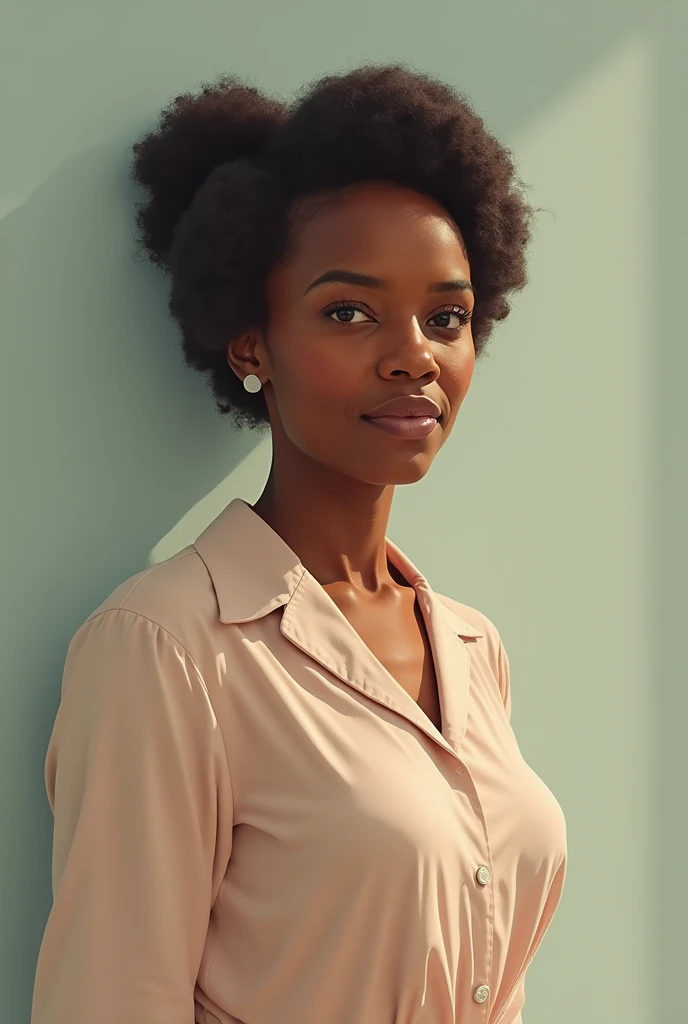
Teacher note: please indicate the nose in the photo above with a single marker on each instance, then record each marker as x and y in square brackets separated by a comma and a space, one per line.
[409, 355]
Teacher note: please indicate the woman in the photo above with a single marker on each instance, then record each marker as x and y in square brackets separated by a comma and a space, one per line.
[285, 786]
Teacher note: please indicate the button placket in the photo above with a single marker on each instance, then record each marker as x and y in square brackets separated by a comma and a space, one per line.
[483, 877]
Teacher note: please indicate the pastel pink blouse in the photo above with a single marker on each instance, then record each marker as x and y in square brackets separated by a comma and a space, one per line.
[256, 824]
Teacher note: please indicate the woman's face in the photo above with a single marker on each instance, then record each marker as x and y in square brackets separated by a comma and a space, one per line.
[337, 350]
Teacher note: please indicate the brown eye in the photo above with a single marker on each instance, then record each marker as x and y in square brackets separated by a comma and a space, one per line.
[345, 308]
[463, 316]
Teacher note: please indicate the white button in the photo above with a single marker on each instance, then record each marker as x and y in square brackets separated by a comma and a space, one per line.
[483, 875]
[481, 993]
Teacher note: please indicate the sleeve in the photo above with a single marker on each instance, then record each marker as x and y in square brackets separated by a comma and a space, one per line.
[138, 783]
[504, 677]
[519, 998]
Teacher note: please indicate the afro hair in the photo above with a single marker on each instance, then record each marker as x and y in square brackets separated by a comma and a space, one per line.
[232, 175]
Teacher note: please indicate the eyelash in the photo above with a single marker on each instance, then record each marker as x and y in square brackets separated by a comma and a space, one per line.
[464, 315]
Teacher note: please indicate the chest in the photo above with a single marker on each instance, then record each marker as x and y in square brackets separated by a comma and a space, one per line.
[323, 766]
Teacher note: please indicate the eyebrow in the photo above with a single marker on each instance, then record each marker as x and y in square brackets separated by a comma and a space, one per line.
[459, 284]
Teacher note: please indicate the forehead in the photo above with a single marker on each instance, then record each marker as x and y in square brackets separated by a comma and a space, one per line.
[380, 225]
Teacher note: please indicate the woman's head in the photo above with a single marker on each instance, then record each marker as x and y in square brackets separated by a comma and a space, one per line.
[383, 173]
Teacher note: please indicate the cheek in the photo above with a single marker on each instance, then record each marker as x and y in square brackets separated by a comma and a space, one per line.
[317, 375]
[456, 373]
[325, 382]
[318, 389]
[316, 405]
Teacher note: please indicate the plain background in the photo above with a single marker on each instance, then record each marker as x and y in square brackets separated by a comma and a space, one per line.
[558, 508]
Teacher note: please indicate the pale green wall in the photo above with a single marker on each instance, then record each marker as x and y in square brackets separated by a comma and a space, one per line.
[563, 488]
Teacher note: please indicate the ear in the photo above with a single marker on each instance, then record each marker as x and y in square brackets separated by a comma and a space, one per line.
[247, 354]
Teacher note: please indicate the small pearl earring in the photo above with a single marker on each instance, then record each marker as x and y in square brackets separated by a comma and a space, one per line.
[252, 383]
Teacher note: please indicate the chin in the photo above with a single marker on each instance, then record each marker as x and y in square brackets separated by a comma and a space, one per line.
[408, 472]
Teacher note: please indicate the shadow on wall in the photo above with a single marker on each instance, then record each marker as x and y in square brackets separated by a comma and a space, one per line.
[109, 440]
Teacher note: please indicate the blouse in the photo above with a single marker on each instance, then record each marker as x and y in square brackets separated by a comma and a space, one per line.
[254, 823]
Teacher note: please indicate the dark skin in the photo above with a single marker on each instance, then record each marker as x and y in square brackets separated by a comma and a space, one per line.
[332, 478]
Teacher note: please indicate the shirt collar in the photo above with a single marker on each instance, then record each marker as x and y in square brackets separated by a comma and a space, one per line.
[254, 571]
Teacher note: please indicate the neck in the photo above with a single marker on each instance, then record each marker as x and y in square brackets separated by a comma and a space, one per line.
[336, 525]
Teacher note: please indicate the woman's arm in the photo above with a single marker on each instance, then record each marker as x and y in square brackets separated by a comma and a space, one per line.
[136, 772]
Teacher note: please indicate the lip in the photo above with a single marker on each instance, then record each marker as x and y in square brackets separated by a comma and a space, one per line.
[410, 416]
[410, 427]
[406, 406]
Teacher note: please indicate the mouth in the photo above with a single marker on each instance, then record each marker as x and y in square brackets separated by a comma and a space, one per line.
[413, 417]
[410, 427]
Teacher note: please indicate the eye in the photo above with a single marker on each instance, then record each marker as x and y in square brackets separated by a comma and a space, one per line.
[464, 317]
[346, 307]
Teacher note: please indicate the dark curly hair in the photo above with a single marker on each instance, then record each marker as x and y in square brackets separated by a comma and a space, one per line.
[233, 176]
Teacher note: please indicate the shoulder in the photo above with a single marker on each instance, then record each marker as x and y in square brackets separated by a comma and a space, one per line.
[145, 647]
[475, 618]
[489, 646]
[175, 595]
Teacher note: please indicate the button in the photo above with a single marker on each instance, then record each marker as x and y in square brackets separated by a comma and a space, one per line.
[481, 993]
[483, 875]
